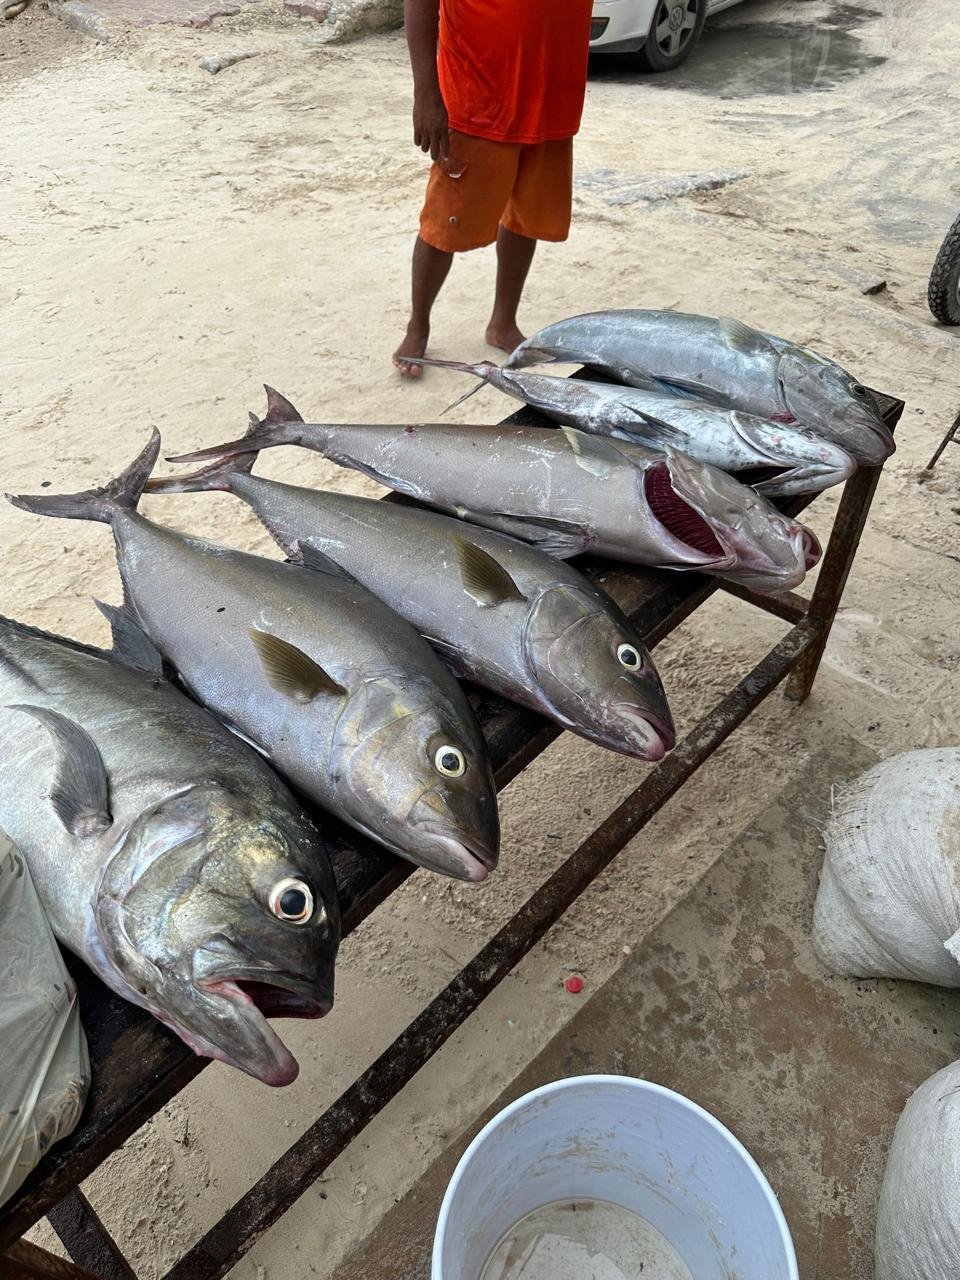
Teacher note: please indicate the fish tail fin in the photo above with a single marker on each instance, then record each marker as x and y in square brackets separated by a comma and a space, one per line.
[120, 494]
[217, 476]
[481, 371]
[466, 396]
[281, 425]
[478, 370]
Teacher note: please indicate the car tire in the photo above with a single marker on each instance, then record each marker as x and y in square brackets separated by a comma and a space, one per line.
[943, 291]
[673, 35]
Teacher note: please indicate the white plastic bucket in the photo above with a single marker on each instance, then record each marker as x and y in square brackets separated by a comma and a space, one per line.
[630, 1143]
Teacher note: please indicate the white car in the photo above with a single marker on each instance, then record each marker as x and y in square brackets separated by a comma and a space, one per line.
[662, 32]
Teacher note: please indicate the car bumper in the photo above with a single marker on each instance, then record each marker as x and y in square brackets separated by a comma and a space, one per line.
[620, 25]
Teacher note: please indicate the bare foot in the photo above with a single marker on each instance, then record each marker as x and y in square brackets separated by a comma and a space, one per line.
[505, 337]
[413, 344]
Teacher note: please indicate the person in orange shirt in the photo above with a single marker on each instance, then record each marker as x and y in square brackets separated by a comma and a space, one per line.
[498, 89]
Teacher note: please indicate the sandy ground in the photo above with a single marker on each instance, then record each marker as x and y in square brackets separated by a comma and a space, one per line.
[170, 240]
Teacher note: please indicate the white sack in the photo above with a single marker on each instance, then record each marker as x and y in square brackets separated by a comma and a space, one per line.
[918, 1221]
[889, 899]
[44, 1069]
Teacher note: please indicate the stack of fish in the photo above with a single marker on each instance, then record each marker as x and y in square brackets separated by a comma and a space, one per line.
[167, 850]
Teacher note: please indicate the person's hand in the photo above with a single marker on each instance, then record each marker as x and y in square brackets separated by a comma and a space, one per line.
[430, 131]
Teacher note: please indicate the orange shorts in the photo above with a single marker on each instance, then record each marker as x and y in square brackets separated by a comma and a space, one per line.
[526, 188]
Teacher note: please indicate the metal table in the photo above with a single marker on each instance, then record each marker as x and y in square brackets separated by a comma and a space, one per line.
[139, 1065]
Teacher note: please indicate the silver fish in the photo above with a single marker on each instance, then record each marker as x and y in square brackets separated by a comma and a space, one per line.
[775, 459]
[724, 361]
[564, 490]
[343, 696]
[167, 854]
[501, 612]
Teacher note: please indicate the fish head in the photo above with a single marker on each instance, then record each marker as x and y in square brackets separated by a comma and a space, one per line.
[784, 459]
[413, 772]
[764, 549]
[595, 672]
[825, 398]
[219, 916]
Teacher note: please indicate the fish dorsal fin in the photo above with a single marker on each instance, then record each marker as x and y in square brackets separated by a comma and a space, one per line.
[79, 789]
[312, 558]
[131, 644]
[484, 579]
[595, 454]
[742, 338]
[290, 671]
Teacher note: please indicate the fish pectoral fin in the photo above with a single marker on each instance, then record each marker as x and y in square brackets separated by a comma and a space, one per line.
[742, 338]
[290, 671]
[131, 644]
[313, 558]
[79, 792]
[596, 454]
[661, 430]
[558, 538]
[484, 578]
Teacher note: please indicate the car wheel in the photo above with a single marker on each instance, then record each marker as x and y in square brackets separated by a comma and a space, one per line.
[674, 32]
[943, 292]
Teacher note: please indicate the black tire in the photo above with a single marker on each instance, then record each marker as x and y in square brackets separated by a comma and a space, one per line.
[674, 34]
[943, 291]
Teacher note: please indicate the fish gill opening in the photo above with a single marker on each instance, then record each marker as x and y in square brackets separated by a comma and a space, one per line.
[677, 516]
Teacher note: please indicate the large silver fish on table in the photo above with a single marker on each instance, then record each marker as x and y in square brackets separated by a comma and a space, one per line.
[501, 612]
[167, 854]
[564, 490]
[775, 459]
[725, 361]
[336, 690]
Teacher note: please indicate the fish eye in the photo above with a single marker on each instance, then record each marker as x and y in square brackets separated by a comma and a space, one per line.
[291, 900]
[629, 656]
[450, 762]
[858, 390]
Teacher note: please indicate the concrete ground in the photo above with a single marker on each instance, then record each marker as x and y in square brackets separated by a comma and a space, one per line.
[726, 1003]
[171, 239]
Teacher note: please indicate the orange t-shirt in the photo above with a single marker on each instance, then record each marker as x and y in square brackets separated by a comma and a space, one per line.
[514, 70]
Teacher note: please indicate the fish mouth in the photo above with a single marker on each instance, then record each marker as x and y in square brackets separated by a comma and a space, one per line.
[812, 549]
[769, 479]
[268, 994]
[681, 520]
[463, 861]
[755, 567]
[652, 737]
[783, 482]
[886, 444]
[778, 474]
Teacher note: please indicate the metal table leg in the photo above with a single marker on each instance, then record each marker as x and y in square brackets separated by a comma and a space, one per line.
[87, 1240]
[844, 539]
[25, 1261]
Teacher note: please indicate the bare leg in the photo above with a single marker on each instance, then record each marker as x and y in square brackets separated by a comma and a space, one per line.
[514, 256]
[430, 268]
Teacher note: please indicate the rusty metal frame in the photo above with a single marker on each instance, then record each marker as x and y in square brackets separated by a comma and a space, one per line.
[795, 659]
